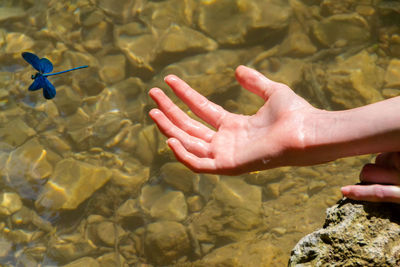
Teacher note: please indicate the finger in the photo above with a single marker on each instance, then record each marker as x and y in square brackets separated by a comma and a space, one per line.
[256, 82]
[211, 113]
[180, 118]
[389, 159]
[382, 159]
[190, 160]
[374, 173]
[372, 193]
[193, 144]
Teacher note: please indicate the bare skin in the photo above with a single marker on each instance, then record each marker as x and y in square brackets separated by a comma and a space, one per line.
[286, 131]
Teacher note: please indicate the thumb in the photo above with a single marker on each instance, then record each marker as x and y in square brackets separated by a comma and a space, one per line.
[257, 83]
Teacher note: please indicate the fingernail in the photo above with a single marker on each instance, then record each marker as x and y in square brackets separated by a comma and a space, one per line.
[345, 190]
[170, 77]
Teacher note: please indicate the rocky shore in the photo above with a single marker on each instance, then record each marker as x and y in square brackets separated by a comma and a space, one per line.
[354, 234]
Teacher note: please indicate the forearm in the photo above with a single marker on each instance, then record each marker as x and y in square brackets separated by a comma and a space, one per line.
[369, 129]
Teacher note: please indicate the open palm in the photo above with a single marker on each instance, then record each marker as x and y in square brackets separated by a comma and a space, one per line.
[238, 143]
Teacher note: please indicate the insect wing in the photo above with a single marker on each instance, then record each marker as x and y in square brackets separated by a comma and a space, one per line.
[49, 91]
[32, 59]
[45, 65]
[37, 84]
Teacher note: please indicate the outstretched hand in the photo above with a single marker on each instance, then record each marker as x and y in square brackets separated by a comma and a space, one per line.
[384, 177]
[270, 138]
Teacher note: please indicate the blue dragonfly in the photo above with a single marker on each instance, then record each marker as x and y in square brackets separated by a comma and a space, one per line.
[44, 67]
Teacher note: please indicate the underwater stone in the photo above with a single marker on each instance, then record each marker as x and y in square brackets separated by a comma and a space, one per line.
[390, 92]
[178, 176]
[253, 252]
[131, 177]
[147, 144]
[72, 183]
[351, 28]
[105, 232]
[9, 203]
[11, 12]
[66, 248]
[55, 142]
[170, 206]
[106, 126]
[241, 200]
[111, 259]
[137, 49]
[84, 261]
[166, 242]
[206, 185]
[392, 76]
[149, 195]
[128, 209]
[113, 69]
[297, 43]
[27, 167]
[17, 42]
[94, 38]
[233, 22]
[67, 100]
[195, 203]
[161, 14]
[180, 39]
[5, 247]
[26, 216]
[16, 132]
[120, 9]
[358, 78]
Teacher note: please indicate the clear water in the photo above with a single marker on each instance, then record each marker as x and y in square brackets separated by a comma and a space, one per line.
[99, 115]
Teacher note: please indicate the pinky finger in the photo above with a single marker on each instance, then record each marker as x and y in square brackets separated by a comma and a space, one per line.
[191, 161]
[373, 193]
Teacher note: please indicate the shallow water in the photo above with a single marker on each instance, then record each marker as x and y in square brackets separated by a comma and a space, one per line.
[90, 165]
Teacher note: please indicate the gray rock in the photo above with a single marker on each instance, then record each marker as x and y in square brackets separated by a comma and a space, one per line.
[354, 234]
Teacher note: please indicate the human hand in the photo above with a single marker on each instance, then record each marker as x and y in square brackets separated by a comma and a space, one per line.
[270, 138]
[385, 178]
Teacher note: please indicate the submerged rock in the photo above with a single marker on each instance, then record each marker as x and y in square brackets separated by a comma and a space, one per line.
[354, 234]
[17, 42]
[234, 22]
[71, 184]
[11, 12]
[27, 167]
[178, 176]
[166, 241]
[244, 253]
[349, 29]
[9, 203]
[392, 76]
[358, 78]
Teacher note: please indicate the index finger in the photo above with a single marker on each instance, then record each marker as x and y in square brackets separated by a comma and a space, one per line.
[211, 113]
